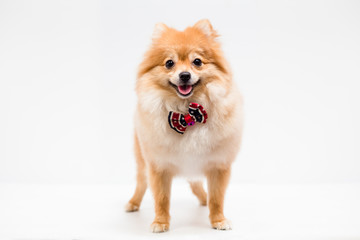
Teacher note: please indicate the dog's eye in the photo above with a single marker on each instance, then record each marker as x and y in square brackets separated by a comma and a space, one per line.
[197, 62]
[169, 64]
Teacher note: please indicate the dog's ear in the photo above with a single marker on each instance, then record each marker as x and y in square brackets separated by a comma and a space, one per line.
[205, 26]
[159, 29]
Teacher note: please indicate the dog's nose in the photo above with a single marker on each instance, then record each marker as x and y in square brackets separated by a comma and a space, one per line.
[184, 76]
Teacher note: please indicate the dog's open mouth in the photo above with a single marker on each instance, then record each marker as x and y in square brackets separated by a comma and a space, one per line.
[184, 90]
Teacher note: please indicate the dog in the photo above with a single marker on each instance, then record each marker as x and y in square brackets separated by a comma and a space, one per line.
[188, 120]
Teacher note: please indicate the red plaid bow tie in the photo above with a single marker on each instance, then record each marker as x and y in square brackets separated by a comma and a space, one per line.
[179, 122]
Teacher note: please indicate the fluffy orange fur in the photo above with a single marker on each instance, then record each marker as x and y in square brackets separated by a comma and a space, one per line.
[206, 150]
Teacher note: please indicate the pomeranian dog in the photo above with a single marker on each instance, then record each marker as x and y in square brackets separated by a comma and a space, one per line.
[188, 120]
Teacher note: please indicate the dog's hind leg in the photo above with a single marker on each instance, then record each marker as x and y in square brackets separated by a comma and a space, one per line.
[141, 182]
[199, 192]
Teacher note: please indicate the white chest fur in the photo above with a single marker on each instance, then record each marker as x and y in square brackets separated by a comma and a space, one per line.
[188, 153]
[200, 146]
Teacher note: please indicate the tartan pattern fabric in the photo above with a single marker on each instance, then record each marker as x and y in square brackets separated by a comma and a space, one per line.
[179, 122]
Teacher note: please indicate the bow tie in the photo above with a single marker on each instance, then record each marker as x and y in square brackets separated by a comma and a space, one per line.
[179, 122]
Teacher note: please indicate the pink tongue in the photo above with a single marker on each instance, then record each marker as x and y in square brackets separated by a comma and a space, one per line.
[185, 89]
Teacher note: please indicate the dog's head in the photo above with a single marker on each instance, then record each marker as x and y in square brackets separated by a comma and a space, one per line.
[182, 63]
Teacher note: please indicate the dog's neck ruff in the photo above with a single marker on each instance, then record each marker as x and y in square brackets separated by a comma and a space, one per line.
[179, 122]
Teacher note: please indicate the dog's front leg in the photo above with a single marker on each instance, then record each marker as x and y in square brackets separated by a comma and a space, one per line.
[160, 183]
[218, 180]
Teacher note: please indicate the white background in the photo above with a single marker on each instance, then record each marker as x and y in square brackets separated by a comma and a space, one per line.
[68, 68]
[67, 76]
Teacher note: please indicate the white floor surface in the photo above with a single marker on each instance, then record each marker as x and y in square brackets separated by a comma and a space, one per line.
[256, 211]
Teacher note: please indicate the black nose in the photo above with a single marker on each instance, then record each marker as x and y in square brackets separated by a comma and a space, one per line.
[185, 76]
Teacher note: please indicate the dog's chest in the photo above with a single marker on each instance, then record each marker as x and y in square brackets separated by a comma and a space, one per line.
[190, 152]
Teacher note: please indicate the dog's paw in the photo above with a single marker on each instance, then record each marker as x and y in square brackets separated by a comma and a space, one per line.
[130, 207]
[203, 202]
[159, 227]
[222, 225]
